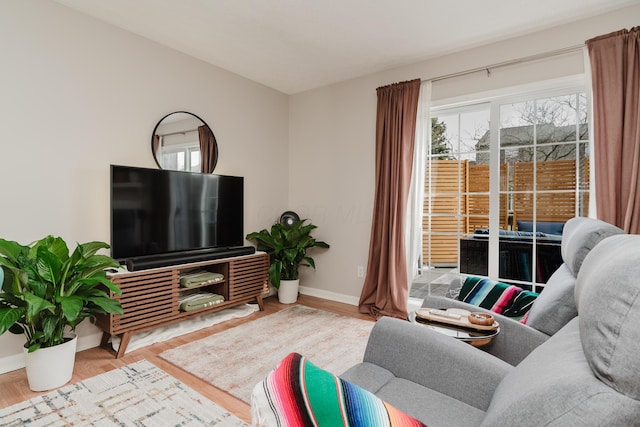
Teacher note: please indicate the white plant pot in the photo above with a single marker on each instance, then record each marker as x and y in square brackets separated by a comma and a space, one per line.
[288, 291]
[51, 367]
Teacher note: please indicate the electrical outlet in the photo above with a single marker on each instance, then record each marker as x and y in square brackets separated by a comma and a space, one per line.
[360, 271]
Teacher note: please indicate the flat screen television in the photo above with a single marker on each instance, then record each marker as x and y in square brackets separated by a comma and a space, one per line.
[166, 215]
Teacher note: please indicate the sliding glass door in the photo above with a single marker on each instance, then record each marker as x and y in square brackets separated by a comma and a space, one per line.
[544, 159]
[502, 178]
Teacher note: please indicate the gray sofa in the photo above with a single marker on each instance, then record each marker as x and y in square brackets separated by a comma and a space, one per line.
[586, 374]
[555, 306]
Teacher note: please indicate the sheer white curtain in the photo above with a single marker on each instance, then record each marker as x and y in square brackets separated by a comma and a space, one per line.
[413, 228]
[593, 213]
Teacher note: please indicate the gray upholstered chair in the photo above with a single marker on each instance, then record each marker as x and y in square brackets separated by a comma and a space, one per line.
[555, 306]
[586, 374]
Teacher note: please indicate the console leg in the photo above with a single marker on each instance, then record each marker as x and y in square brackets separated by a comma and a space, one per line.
[104, 341]
[260, 302]
[124, 342]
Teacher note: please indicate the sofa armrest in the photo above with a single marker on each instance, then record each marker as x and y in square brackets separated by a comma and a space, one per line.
[438, 362]
[515, 340]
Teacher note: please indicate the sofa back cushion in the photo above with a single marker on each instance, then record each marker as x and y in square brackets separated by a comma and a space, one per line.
[608, 295]
[580, 235]
[555, 386]
[555, 305]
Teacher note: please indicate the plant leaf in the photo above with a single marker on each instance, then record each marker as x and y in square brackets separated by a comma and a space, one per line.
[71, 306]
[8, 317]
[12, 251]
[35, 305]
[107, 304]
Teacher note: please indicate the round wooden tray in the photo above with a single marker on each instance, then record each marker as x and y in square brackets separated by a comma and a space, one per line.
[463, 321]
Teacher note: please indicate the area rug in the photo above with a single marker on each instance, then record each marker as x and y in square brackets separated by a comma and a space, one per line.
[183, 327]
[237, 359]
[139, 394]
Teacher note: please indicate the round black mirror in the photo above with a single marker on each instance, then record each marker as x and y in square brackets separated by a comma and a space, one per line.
[183, 141]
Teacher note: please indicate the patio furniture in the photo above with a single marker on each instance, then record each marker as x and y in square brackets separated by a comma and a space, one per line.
[554, 307]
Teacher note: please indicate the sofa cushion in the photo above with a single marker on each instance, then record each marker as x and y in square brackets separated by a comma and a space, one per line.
[608, 295]
[542, 227]
[580, 235]
[555, 386]
[555, 305]
[368, 376]
[427, 405]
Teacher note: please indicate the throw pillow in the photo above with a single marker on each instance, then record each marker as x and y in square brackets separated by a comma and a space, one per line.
[298, 393]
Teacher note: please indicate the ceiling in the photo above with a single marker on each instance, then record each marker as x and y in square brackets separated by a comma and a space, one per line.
[296, 45]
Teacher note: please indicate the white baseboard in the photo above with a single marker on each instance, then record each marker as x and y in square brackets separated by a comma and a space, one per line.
[16, 361]
[413, 303]
[11, 363]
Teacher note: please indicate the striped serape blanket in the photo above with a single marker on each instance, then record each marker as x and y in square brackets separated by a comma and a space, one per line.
[298, 393]
[508, 300]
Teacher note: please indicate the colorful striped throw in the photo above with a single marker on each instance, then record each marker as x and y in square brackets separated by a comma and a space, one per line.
[298, 393]
[498, 297]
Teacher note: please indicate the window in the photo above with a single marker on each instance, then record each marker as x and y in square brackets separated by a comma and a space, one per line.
[502, 177]
[181, 158]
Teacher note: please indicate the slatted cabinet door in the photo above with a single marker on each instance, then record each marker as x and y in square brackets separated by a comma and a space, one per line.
[247, 277]
[148, 297]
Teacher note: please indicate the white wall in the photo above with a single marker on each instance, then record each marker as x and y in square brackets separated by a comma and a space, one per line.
[332, 138]
[77, 95]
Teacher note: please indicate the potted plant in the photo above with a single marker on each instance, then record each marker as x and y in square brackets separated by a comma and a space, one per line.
[287, 247]
[45, 294]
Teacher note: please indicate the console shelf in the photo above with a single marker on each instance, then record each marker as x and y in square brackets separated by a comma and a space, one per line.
[150, 298]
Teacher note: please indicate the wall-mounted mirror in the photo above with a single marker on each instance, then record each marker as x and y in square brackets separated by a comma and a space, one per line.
[183, 141]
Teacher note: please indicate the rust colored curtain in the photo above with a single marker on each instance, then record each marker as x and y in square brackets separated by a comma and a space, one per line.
[386, 286]
[615, 70]
[208, 149]
[156, 145]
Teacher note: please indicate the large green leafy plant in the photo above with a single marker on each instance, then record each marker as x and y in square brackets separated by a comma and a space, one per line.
[287, 248]
[46, 291]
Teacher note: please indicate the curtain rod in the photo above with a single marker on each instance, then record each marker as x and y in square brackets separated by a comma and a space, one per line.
[488, 68]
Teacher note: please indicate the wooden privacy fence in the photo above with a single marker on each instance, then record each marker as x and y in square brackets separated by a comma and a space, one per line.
[555, 191]
[457, 201]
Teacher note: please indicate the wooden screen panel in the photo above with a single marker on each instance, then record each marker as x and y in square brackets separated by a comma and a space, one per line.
[552, 175]
[444, 249]
[444, 175]
[478, 204]
[444, 203]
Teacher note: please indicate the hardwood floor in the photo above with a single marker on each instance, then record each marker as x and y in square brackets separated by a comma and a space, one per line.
[14, 387]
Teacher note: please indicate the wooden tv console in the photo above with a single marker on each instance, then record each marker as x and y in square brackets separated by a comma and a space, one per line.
[150, 298]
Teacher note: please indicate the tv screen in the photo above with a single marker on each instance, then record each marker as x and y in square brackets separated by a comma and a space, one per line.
[156, 211]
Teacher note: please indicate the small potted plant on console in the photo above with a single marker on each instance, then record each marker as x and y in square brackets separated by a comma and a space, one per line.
[287, 244]
[45, 293]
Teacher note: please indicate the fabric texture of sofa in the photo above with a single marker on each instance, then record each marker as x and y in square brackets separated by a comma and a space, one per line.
[586, 374]
[555, 305]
